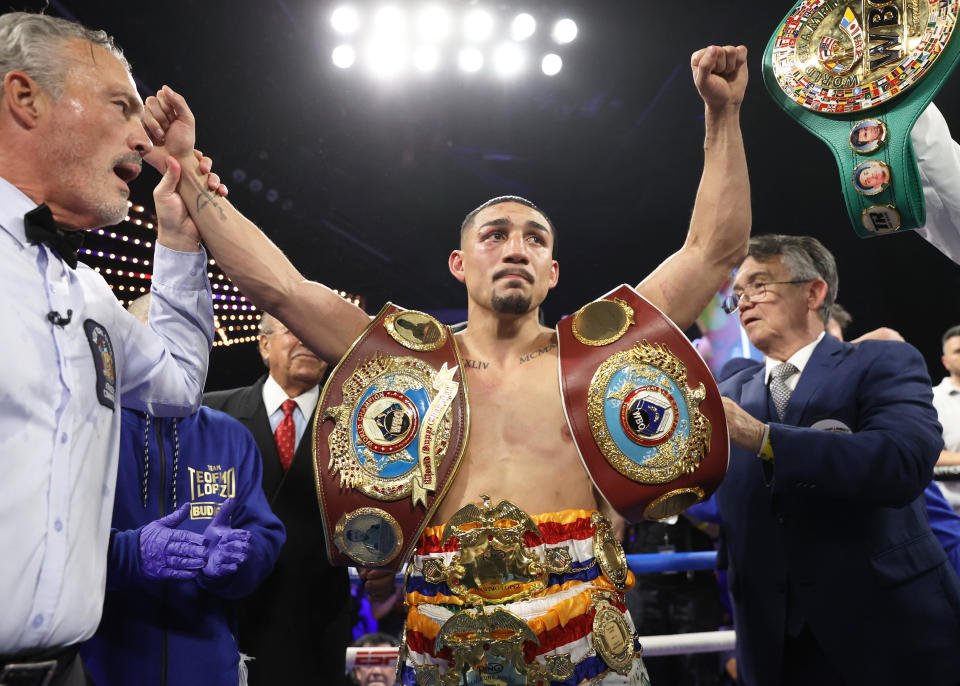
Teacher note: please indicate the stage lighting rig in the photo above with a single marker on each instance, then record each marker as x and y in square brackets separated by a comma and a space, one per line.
[390, 40]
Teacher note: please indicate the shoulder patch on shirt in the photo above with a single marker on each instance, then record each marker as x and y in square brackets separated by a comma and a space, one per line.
[103, 362]
[832, 425]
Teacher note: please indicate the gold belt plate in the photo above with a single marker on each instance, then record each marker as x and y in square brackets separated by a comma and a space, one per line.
[840, 56]
[392, 428]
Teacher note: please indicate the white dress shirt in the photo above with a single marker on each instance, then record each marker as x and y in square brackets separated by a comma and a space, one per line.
[273, 397]
[58, 436]
[938, 157]
[946, 398]
[799, 360]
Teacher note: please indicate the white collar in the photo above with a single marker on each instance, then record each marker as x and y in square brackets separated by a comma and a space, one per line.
[799, 359]
[274, 395]
[14, 203]
[947, 386]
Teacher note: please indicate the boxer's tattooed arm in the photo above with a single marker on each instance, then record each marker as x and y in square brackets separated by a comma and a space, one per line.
[205, 198]
[475, 364]
[537, 353]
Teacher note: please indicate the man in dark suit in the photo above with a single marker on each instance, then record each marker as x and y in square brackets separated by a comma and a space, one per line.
[297, 625]
[835, 574]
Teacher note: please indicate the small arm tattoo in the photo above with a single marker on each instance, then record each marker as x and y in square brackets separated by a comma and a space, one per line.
[206, 198]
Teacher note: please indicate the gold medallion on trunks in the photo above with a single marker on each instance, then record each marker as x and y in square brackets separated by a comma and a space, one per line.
[393, 427]
[416, 330]
[612, 637]
[643, 416]
[608, 552]
[487, 648]
[602, 322]
[493, 565]
[848, 55]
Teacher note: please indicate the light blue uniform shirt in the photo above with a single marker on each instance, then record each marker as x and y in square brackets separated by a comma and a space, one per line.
[58, 436]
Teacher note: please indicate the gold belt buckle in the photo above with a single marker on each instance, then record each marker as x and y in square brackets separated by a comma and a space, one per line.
[493, 566]
[491, 646]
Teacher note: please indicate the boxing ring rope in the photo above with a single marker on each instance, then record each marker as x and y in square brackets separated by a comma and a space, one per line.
[653, 646]
[947, 473]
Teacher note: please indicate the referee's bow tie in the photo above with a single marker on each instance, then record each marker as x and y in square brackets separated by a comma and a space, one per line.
[39, 227]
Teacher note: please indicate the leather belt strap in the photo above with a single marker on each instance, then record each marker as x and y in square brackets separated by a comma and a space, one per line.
[642, 406]
[37, 668]
[390, 431]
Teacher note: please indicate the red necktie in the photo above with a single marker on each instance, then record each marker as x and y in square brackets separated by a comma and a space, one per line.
[286, 434]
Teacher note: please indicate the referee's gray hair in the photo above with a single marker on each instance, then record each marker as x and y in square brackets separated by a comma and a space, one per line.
[805, 257]
[32, 44]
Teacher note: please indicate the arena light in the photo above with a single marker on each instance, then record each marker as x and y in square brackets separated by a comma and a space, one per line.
[433, 24]
[345, 20]
[470, 60]
[551, 64]
[343, 56]
[395, 38]
[523, 26]
[477, 25]
[386, 57]
[426, 58]
[565, 30]
[390, 21]
[508, 59]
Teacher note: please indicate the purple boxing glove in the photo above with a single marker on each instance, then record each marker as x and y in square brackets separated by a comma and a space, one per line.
[227, 548]
[168, 553]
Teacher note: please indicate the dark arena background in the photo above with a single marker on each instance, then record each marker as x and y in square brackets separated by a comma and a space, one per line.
[363, 178]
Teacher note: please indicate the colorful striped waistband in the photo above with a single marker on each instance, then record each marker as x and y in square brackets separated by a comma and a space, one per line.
[570, 529]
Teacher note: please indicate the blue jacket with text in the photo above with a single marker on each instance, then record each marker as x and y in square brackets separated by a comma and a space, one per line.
[180, 633]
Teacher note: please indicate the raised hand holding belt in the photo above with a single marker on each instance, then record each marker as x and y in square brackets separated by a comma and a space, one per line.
[39, 227]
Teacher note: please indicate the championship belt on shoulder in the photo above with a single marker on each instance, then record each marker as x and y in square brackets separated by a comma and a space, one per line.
[643, 408]
[390, 431]
[858, 74]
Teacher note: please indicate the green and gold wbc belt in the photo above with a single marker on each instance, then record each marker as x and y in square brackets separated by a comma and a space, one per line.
[858, 74]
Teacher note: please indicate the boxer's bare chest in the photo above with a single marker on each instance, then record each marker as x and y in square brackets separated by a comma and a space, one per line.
[519, 448]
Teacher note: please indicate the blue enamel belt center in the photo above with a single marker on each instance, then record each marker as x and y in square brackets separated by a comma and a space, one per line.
[386, 424]
[644, 409]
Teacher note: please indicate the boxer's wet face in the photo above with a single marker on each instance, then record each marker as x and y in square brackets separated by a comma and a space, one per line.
[506, 258]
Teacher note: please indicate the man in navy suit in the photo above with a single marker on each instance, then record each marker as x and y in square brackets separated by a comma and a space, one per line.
[835, 574]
